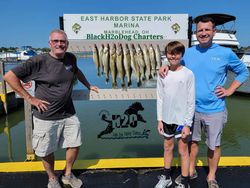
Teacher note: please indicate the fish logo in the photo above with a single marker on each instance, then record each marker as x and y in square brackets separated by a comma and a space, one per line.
[176, 28]
[76, 28]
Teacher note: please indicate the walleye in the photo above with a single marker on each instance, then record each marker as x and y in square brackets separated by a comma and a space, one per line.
[127, 64]
[105, 60]
[120, 66]
[134, 65]
[96, 59]
[141, 62]
[100, 57]
[147, 62]
[113, 68]
[152, 59]
[158, 56]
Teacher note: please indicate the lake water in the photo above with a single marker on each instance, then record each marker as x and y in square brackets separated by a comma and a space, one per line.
[132, 135]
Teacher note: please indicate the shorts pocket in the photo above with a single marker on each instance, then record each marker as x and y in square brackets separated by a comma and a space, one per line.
[37, 138]
[225, 117]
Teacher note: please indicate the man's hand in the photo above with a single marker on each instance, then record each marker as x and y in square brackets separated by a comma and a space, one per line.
[41, 105]
[222, 92]
[163, 71]
[94, 88]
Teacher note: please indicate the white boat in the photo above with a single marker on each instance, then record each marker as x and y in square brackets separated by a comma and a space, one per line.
[24, 53]
[8, 55]
[246, 59]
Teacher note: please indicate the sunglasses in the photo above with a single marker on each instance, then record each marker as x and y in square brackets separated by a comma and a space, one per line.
[55, 41]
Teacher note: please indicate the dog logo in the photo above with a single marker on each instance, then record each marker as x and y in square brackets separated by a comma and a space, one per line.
[128, 120]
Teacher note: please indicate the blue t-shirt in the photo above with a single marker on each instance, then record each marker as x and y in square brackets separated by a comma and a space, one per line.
[210, 67]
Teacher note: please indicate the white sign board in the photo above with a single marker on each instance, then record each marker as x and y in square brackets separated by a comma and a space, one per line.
[126, 26]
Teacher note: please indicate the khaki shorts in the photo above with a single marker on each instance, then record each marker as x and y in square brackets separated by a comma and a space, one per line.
[212, 125]
[50, 135]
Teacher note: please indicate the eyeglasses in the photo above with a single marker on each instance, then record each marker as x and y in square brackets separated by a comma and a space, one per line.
[55, 41]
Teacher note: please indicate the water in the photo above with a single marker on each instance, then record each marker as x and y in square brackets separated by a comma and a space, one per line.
[244, 88]
[131, 136]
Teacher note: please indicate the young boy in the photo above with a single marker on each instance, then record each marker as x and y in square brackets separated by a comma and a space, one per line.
[175, 110]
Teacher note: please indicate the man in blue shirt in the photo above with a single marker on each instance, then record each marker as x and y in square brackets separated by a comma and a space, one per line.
[210, 62]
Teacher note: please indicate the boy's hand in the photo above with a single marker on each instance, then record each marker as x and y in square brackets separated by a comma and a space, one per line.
[185, 132]
[160, 127]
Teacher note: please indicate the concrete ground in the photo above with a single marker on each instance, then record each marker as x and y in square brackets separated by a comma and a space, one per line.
[227, 177]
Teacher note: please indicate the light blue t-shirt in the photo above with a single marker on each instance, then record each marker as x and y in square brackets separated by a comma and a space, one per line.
[210, 66]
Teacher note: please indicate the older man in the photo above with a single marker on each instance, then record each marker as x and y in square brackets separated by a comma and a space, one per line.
[55, 122]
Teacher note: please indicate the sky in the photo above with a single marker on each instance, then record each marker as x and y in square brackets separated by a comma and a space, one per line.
[29, 22]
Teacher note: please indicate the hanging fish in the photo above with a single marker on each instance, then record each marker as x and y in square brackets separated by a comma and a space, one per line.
[120, 66]
[100, 57]
[152, 59]
[96, 59]
[141, 62]
[105, 60]
[113, 68]
[127, 64]
[147, 62]
[134, 65]
[158, 56]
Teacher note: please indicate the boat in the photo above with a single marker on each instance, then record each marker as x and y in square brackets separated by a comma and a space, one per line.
[22, 54]
[8, 56]
[25, 54]
[246, 58]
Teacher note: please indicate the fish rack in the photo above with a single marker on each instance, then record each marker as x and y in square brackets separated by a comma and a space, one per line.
[115, 94]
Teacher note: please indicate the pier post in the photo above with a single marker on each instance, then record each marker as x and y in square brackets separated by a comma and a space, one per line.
[3, 93]
[28, 130]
